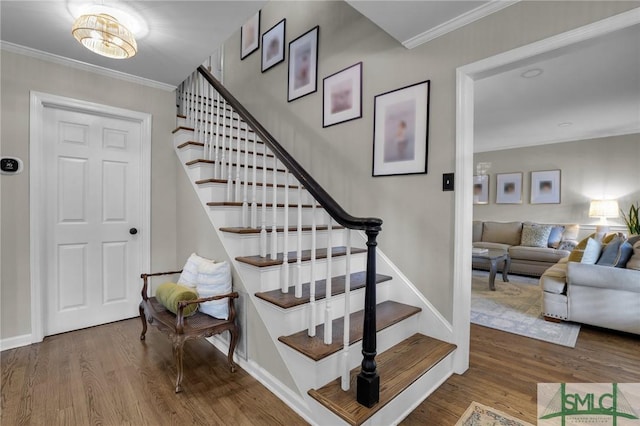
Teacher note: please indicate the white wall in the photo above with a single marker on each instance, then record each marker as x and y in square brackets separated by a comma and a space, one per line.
[604, 168]
[417, 233]
[22, 74]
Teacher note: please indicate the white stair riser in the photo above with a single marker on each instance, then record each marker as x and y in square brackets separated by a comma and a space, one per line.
[206, 171]
[317, 374]
[231, 216]
[243, 244]
[293, 320]
[270, 278]
[217, 192]
[182, 136]
[190, 152]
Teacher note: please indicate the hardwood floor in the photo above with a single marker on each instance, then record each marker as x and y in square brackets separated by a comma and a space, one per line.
[505, 369]
[105, 375]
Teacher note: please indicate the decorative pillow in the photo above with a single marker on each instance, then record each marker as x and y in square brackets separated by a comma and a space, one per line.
[591, 252]
[555, 237]
[570, 232]
[634, 262]
[214, 279]
[189, 275]
[567, 245]
[535, 235]
[616, 253]
[169, 294]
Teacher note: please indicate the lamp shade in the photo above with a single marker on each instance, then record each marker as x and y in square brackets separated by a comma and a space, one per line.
[104, 35]
[604, 208]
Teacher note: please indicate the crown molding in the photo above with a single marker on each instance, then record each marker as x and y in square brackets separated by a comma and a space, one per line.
[72, 63]
[458, 22]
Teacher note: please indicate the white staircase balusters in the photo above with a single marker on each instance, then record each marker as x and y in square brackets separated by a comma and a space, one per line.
[238, 186]
[284, 276]
[328, 338]
[347, 309]
[230, 160]
[223, 140]
[198, 118]
[312, 267]
[216, 119]
[263, 219]
[254, 190]
[298, 270]
[245, 194]
[207, 120]
[274, 226]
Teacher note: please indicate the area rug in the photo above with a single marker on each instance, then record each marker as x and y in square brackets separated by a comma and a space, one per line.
[516, 307]
[481, 415]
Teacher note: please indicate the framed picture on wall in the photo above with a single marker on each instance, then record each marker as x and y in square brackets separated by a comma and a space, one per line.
[342, 96]
[481, 189]
[273, 46]
[545, 187]
[250, 36]
[401, 131]
[509, 188]
[303, 65]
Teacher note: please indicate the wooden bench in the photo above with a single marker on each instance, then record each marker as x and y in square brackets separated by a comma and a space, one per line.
[180, 328]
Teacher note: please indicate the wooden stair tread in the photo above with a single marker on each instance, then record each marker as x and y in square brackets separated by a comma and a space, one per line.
[306, 256]
[288, 300]
[239, 204]
[269, 185]
[387, 314]
[250, 166]
[242, 151]
[247, 231]
[190, 143]
[191, 129]
[398, 368]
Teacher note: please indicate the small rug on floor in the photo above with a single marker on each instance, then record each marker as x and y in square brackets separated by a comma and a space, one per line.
[481, 415]
[516, 307]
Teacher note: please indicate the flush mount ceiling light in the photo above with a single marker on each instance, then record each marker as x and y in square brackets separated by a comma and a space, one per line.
[103, 34]
[532, 73]
[565, 124]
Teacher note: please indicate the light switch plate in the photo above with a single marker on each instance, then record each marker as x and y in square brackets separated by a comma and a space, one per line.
[447, 182]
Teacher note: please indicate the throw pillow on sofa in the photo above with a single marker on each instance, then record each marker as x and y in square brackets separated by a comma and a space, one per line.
[214, 279]
[616, 253]
[578, 251]
[634, 261]
[534, 235]
[555, 236]
[591, 252]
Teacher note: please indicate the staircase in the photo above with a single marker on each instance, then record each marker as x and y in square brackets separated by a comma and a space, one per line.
[311, 271]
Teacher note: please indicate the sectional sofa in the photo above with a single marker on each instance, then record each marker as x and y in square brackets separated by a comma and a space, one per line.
[528, 256]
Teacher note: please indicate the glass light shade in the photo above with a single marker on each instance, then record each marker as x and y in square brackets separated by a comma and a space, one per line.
[604, 208]
[104, 35]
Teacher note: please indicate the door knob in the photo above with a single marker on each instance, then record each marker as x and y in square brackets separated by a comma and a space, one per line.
[133, 231]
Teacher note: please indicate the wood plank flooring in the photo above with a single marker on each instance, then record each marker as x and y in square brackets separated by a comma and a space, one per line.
[105, 375]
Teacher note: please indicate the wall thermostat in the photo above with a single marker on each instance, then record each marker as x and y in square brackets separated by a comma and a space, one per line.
[10, 165]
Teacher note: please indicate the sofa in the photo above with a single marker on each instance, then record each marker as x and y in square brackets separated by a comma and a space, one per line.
[529, 255]
[603, 296]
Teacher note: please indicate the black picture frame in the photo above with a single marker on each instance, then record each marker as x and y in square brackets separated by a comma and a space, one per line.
[405, 150]
[303, 65]
[342, 96]
[250, 34]
[273, 46]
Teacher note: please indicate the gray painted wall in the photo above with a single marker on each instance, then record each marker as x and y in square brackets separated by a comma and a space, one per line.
[605, 168]
[418, 231]
[20, 75]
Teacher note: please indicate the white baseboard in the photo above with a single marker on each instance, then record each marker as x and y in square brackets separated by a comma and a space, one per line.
[15, 342]
[284, 393]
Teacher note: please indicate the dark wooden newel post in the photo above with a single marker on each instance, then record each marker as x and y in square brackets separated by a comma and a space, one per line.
[368, 385]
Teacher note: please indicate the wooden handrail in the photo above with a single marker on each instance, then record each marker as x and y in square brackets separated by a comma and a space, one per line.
[330, 205]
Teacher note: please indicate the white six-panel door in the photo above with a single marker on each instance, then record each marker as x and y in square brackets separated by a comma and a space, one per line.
[93, 200]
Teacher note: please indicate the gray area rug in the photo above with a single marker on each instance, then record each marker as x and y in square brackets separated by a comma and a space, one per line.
[516, 307]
